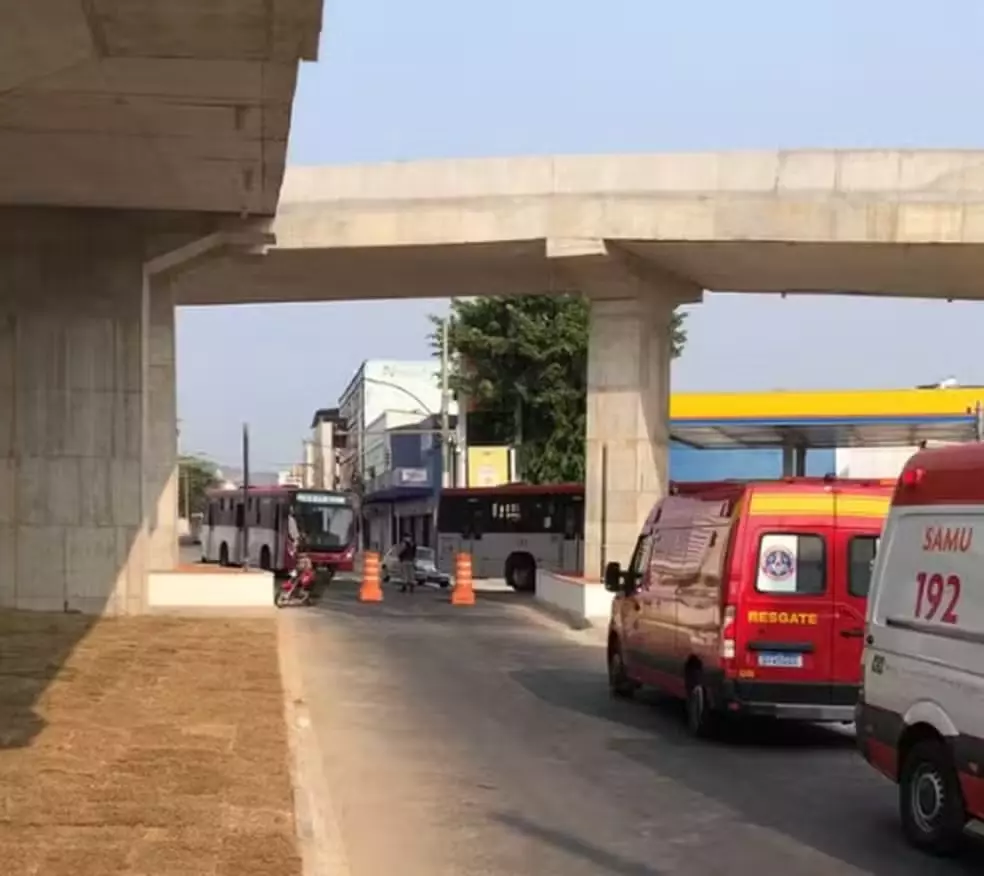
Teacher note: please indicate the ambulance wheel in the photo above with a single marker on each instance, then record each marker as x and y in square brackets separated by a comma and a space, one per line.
[702, 721]
[930, 800]
[619, 684]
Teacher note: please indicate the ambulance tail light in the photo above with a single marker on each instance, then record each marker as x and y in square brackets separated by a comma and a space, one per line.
[728, 651]
[912, 477]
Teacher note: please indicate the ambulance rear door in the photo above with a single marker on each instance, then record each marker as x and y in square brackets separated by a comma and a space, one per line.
[786, 613]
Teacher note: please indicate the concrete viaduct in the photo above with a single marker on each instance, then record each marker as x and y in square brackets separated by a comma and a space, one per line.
[136, 137]
[638, 234]
[142, 150]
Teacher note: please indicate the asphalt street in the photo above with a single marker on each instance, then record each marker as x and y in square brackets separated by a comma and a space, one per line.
[483, 741]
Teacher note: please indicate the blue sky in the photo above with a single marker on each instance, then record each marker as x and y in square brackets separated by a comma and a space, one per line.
[445, 78]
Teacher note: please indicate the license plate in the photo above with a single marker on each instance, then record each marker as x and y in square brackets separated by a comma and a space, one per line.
[791, 661]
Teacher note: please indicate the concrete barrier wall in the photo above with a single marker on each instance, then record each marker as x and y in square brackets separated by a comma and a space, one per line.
[580, 600]
[210, 589]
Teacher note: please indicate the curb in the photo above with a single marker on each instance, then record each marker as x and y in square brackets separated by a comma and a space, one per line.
[569, 618]
[319, 837]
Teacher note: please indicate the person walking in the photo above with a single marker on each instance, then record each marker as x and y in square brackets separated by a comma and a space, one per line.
[408, 565]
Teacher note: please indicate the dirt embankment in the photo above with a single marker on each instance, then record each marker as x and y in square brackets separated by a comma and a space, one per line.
[144, 746]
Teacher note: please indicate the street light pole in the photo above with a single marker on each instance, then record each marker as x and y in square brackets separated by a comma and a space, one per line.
[445, 405]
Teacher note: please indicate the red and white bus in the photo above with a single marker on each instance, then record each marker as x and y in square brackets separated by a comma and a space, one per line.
[512, 530]
[324, 527]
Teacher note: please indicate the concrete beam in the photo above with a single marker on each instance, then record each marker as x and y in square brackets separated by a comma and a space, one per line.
[603, 269]
[890, 222]
[149, 104]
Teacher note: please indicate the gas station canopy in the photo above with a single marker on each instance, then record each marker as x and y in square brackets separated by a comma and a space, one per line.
[856, 418]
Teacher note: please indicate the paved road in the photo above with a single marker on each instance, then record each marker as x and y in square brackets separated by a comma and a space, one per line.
[483, 741]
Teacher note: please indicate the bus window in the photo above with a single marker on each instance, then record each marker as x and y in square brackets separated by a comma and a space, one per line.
[476, 516]
[240, 516]
[505, 516]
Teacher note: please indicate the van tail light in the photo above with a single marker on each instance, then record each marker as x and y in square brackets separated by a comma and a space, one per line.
[728, 626]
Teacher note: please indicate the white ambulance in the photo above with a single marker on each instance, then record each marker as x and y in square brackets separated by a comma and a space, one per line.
[920, 718]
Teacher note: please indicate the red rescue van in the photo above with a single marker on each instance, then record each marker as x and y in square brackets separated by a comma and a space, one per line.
[749, 598]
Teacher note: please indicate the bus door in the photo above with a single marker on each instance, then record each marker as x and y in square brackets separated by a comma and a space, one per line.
[572, 545]
[208, 541]
[238, 552]
[472, 530]
[279, 530]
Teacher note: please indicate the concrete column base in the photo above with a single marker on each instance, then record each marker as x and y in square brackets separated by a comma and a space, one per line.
[87, 415]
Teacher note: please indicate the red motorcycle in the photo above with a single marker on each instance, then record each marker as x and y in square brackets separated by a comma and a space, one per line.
[299, 586]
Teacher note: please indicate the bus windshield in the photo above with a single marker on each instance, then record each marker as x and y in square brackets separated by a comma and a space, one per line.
[325, 527]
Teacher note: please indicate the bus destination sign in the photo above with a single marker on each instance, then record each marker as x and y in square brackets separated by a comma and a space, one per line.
[320, 499]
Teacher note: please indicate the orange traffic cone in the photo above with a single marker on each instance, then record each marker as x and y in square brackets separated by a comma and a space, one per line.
[370, 591]
[463, 592]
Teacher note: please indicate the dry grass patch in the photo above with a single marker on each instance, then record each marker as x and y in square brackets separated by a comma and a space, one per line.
[143, 746]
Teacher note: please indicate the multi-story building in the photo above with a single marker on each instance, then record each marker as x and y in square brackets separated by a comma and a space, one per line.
[407, 470]
[409, 390]
[324, 449]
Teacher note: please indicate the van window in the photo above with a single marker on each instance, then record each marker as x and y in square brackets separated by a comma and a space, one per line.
[792, 564]
[860, 561]
[640, 558]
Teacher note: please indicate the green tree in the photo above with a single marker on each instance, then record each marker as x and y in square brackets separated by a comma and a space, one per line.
[195, 475]
[523, 363]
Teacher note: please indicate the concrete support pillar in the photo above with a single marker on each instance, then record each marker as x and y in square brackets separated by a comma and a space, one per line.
[88, 487]
[161, 477]
[628, 382]
[627, 422]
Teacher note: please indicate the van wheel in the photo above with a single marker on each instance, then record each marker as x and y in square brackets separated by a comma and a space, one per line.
[930, 800]
[619, 684]
[702, 721]
[224, 555]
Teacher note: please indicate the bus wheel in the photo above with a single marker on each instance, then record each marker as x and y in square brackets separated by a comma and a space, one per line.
[520, 572]
[224, 555]
[265, 558]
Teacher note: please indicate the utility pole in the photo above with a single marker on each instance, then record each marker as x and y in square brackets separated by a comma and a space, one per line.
[245, 557]
[445, 405]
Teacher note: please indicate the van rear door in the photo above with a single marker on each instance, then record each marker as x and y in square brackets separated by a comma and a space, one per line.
[854, 557]
[785, 616]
